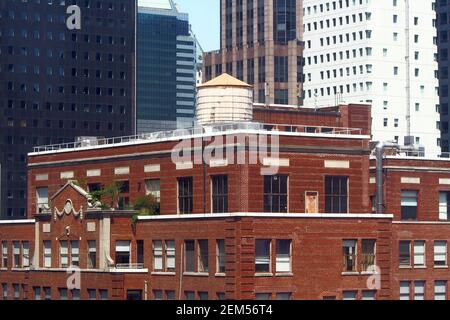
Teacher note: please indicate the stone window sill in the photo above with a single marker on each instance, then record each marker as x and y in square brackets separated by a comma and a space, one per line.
[162, 273]
[196, 274]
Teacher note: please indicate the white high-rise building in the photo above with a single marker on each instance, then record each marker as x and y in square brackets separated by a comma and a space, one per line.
[381, 52]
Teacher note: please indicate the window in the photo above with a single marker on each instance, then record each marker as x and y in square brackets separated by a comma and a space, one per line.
[103, 294]
[189, 254]
[262, 253]
[123, 256]
[368, 255]
[276, 193]
[336, 194]
[419, 253]
[47, 293]
[419, 290]
[16, 291]
[283, 256]
[409, 205]
[157, 294]
[440, 290]
[349, 295]
[203, 256]
[47, 254]
[263, 296]
[368, 295]
[37, 293]
[75, 294]
[284, 296]
[153, 188]
[157, 255]
[41, 199]
[185, 195]
[4, 291]
[92, 254]
[405, 253]
[220, 295]
[440, 253]
[92, 294]
[349, 250]
[405, 290]
[170, 255]
[62, 293]
[74, 253]
[170, 295]
[140, 253]
[25, 254]
[219, 194]
[16, 254]
[220, 259]
[189, 295]
[444, 205]
[203, 295]
[63, 254]
[4, 254]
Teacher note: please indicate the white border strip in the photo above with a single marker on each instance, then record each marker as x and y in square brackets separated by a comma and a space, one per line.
[29, 221]
[204, 135]
[268, 215]
[443, 223]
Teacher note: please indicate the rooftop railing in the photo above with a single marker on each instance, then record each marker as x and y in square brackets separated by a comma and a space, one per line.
[92, 142]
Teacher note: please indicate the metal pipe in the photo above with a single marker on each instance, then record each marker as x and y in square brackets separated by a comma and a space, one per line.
[379, 153]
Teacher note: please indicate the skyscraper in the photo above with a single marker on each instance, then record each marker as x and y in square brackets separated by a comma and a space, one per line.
[260, 44]
[65, 72]
[166, 73]
[378, 52]
[443, 26]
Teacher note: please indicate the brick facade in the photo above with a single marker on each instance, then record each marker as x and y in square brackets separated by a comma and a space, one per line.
[314, 268]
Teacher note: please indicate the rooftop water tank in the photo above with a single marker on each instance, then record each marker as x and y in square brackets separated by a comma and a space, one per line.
[224, 99]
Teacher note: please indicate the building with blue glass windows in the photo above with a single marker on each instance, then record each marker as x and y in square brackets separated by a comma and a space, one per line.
[57, 83]
[167, 66]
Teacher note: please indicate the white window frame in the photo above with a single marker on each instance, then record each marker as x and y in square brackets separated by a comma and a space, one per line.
[283, 262]
[158, 264]
[440, 253]
[170, 255]
[419, 253]
[47, 262]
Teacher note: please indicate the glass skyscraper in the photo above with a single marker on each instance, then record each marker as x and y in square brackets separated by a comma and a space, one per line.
[57, 83]
[166, 73]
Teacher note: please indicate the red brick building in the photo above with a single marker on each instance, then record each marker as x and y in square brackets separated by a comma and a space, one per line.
[297, 223]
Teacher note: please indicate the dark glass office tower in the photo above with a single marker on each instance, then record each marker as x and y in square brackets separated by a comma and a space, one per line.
[443, 26]
[57, 84]
[166, 73]
[261, 45]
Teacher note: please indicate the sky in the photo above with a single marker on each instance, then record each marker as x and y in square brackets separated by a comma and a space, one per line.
[204, 16]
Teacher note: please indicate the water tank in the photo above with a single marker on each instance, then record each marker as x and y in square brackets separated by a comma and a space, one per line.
[223, 100]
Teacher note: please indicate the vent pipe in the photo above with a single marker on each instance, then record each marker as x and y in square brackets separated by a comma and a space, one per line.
[379, 153]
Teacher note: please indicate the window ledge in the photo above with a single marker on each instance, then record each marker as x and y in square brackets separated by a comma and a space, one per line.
[354, 273]
[162, 273]
[264, 274]
[369, 273]
[285, 274]
[220, 274]
[405, 267]
[20, 269]
[3, 269]
[441, 267]
[420, 267]
[196, 274]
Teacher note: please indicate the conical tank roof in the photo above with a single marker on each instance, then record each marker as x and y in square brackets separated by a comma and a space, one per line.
[225, 80]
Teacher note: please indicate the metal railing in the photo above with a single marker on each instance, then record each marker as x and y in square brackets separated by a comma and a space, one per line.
[212, 129]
